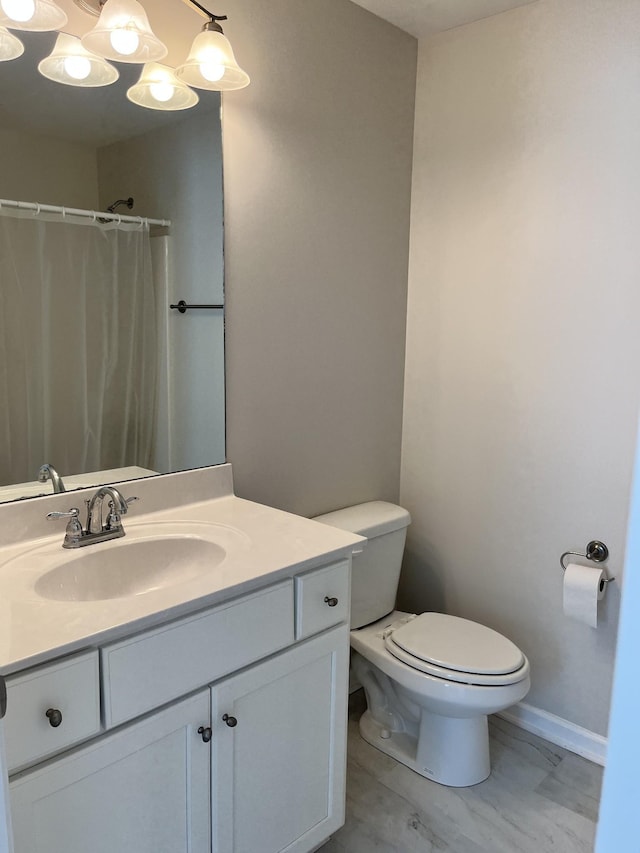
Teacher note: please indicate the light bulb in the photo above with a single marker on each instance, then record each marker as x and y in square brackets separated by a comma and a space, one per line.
[159, 89]
[211, 63]
[124, 40]
[19, 11]
[212, 71]
[162, 91]
[69, 63]
[78, 67]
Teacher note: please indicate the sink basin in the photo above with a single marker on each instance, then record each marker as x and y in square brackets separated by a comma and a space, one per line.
[137, 567]
[149, 557]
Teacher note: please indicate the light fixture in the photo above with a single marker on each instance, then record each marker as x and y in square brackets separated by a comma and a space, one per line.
[159, 89]
[211, 63]
[72, 64]
[32, 15]
[10, 46]
[123, 33]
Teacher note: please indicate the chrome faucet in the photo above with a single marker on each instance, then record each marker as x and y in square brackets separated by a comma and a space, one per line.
[48, 472]
[96, 530]
[118, 507]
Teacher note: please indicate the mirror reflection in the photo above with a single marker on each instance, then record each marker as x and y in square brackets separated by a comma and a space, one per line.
[99, 377]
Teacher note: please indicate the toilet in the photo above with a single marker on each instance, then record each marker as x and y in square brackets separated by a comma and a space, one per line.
[430, 679]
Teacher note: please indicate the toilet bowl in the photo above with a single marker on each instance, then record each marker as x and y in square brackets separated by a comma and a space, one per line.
[430, 679]
[425, 714]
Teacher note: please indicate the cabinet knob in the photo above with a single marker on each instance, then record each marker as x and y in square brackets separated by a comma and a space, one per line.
[330, 601]
[230, 721]
[54, 716]
[206, 733]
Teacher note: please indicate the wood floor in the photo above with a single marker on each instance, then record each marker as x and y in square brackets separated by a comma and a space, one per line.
[538, 798]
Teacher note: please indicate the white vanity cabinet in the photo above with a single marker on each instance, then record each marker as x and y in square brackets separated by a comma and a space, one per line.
[221, 732]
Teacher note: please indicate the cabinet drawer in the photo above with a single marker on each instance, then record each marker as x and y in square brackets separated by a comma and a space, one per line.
[71, 687]
[144, 672]
[316, 594]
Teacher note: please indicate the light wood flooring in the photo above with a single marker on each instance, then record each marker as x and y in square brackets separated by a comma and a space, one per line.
[538, 798]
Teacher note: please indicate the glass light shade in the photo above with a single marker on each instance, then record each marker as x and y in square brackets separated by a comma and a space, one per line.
[10, 46]
[123, 33]
[211, 63]
[70, 63]
[159, 89]
[32, 15]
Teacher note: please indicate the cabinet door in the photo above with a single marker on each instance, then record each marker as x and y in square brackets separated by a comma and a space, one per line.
[142, 789]
[279, 772]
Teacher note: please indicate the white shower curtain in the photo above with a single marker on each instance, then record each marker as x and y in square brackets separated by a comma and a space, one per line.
[77, 345]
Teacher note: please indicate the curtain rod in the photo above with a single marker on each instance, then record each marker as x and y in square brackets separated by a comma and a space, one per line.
[96, 215]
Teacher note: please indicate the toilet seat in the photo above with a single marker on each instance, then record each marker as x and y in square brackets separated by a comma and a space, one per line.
[456, 649]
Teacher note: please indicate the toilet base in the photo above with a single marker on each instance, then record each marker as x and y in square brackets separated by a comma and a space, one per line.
[452, 751]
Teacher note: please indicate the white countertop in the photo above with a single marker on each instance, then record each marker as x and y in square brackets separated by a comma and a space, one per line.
[273, 545]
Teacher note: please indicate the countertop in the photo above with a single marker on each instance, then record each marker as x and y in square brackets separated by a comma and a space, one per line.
[272, 545]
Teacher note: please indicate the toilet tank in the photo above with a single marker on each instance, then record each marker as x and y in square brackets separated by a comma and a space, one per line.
[376, 571]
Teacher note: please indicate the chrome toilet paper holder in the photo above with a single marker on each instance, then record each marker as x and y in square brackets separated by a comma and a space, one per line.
[595, 551]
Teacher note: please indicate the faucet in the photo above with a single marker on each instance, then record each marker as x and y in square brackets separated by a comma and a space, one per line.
[48, 472]
[117, 507]
[96, 530]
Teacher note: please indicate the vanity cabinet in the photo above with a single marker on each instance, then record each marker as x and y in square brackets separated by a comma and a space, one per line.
[221, 732]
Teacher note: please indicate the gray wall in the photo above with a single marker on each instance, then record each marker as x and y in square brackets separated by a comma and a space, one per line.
[521, 394]
[317, 172]
[46, 170]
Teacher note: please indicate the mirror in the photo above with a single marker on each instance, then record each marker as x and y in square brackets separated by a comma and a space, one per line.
[87, 148]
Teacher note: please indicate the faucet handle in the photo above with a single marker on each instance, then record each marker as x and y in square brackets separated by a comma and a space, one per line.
[123, 502]
[74, 512]
[74, 531]
[114, 520]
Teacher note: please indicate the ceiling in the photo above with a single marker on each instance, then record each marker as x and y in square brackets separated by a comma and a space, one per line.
[426, 17]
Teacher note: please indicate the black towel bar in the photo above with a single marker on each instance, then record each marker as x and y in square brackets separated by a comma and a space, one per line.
[183, 307]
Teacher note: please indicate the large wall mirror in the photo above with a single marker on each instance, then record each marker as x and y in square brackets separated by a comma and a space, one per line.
[99, 377]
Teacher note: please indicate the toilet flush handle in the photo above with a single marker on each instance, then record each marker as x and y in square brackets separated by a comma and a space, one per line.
[330, 601]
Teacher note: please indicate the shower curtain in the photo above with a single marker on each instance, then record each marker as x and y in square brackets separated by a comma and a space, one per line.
[77, 345]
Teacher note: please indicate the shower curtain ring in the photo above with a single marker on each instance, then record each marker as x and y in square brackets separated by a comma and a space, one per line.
[37, 210]
[64, 212]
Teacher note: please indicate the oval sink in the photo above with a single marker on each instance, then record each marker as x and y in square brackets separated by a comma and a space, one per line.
[128, 567]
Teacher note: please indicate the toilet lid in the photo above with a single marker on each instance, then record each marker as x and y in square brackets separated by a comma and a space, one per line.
[452, 643]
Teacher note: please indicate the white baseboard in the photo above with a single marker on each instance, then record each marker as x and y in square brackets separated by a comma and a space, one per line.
[559, 731]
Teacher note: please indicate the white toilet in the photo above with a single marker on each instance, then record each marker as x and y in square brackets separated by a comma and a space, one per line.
[430, 679]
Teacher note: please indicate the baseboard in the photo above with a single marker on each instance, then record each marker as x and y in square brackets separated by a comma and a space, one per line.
[559, 731]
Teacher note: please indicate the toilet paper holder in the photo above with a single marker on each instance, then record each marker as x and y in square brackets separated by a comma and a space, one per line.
[595, 551]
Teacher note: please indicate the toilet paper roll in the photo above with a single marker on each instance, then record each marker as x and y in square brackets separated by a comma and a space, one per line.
[583, 588]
